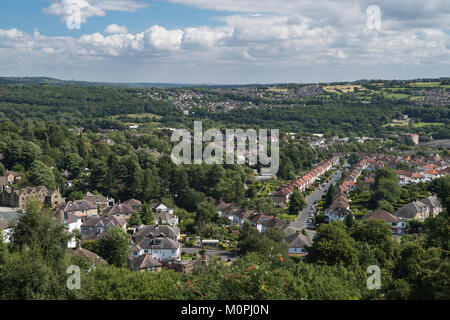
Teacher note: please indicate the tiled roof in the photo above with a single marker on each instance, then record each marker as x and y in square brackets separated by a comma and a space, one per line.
[381, 215]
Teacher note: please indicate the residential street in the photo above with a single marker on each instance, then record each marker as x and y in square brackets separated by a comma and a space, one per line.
[7, 215]
[300, 222]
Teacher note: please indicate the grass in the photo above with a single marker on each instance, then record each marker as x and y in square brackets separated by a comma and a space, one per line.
[423, 124]
[343, 88]
[287, 217]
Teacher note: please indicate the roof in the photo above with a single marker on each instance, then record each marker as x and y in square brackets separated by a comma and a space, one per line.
[94, 198]
[104, 221]
[297, 240]
[410, 210]
[133, 203]
[90, 256]
[154, 204]
[431, 201]
[156, 231]
[118, 208]
[144, 261]
[78, 205]
[156, 243]
[381, 215]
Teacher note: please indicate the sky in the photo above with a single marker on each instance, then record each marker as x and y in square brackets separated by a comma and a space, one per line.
[225, 41]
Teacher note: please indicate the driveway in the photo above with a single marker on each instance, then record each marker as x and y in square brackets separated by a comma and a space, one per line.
[7, 215]
[300, 222]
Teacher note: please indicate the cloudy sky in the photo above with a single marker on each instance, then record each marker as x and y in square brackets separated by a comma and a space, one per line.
[225, 41]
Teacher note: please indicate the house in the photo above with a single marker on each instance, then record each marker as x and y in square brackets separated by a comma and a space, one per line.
[160, 207]
[18, 198]
[90, 257]
[93, 227]
[260, 221]
[297, 243]
[433, 204]
[414, 210]
[71, 222]
[397, 226]
[12, 176]
[133, 203]
[166, 218]
[144, 262]
[160, 248]
[97, 200]
[80, 208]
[157, 231]
[120, 210]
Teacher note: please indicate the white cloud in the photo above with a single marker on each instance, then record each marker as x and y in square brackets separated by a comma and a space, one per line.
[114, 28]
[163, 39]
[91, 8]
[281, 36]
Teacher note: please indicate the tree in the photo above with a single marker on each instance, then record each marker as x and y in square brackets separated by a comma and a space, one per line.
[250, 240]
[333, 246]
[114, 247]
[135, 219]
[296, 203]
[41, 175]
[206, 212]
[146, 214]
[329, 197]
[74, 164]
[414, 225]
[2, 169]
[39, 229]
[377, 234]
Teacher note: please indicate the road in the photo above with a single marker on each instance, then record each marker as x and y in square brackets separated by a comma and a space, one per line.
[7, 215]
[300, 222]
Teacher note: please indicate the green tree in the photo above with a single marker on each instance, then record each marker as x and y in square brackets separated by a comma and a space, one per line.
[114, 246]
[146, 214]
[41, 175]
[296, 203]
[333, 246]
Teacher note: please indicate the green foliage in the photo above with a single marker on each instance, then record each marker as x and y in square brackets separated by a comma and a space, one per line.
[250, 240]
[114, 247]
[333, 246]
[146, 215]
[41, 175]
[296, 203]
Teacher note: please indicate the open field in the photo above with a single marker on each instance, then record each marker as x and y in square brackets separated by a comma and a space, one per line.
[343, 88]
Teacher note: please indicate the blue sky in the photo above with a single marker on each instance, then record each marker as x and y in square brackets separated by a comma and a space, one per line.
[226, 41]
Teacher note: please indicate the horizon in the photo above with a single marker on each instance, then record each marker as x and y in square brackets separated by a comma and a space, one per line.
[221, 84]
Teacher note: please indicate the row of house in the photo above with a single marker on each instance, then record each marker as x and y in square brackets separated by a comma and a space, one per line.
[302, 183]
[238, 215]
[339, 207]
[17, 198]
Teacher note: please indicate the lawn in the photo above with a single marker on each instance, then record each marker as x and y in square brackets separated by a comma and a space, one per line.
[423, 124]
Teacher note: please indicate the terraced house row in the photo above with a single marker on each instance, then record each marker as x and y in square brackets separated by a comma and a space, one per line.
[302, 183]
